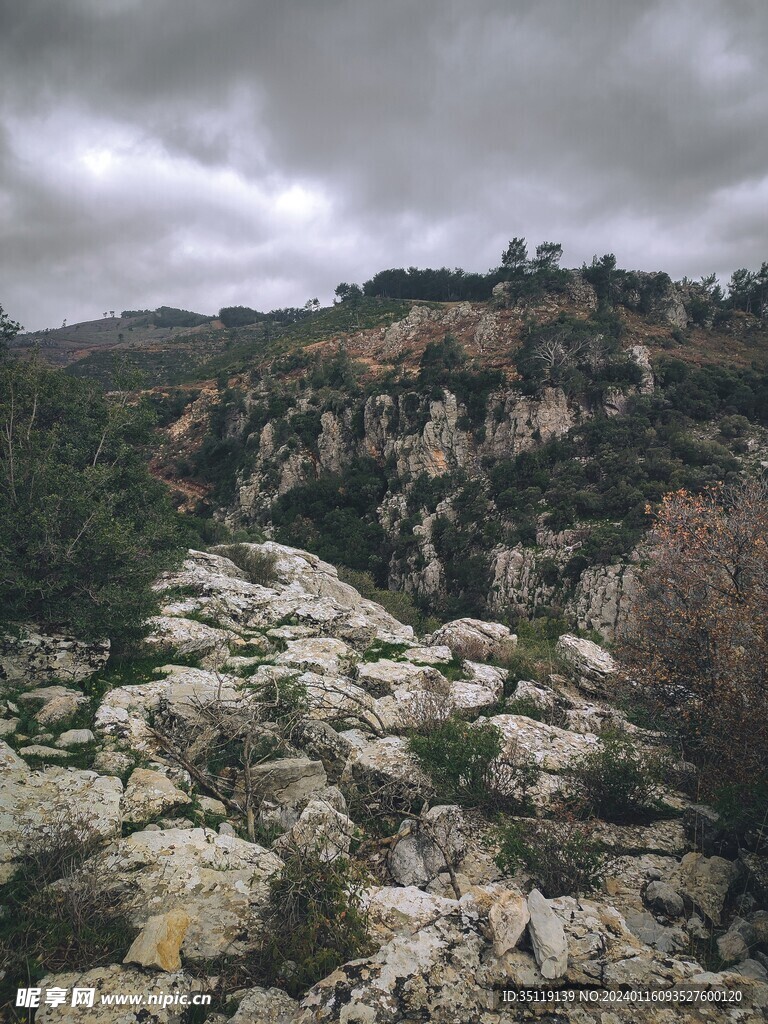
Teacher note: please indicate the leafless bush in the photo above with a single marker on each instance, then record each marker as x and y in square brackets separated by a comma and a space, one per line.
[55, 848]
[259, 565]
[427, 708]
[60, 912]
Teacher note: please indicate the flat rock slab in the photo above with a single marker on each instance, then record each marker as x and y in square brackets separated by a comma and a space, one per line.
[289, 780]
[552, 748]
[547, 937]
[324, 655]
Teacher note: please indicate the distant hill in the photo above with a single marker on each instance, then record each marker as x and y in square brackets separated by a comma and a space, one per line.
[136, 331]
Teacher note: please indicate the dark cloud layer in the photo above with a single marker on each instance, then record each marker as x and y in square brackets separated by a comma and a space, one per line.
[200, 154]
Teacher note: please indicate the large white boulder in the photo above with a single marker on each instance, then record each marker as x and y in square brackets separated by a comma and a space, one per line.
[589, 661]
[474, 639]
[220, 881]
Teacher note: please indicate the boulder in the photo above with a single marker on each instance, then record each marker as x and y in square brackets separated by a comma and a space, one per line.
[507, 920]
[706, 882]
[473, 639]
[551, 747]
[112, 762]
[589, 661]
[320, 739]
[58, 703]
[436, 655]
[736, 943]
[469, 696]
[75, 738]
[547, 937]
[323, 655]
[35, 800]
[289, 780]
[650, 931]
[384, 771]
[662, 898]
[433, 974]
[270, 1005]
[159, 941]
[424, 848]
[175, 634]
[320, 829]
[383, 677]
[42, 751]
[148, 794]
[403, 910]
[541, 697]
[220, 881]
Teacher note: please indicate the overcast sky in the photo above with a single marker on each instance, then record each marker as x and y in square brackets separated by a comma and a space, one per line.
[201, 153]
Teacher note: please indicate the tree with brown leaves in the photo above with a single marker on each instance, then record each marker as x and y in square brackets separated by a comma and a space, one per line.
[697, 640]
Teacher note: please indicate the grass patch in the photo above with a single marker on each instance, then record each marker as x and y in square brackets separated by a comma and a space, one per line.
[383, 650]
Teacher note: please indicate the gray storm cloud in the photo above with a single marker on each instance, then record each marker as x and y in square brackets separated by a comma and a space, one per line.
[200, 154]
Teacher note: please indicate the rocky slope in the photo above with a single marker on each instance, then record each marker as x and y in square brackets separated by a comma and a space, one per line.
[422, 463]
[189, 835]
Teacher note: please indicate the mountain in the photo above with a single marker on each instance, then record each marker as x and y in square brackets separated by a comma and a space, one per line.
[484, 457]
[492, 456]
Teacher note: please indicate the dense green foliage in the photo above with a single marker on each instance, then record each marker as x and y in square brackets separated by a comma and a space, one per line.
[526, 278]
[617, 781]
[609, 469]
[467, 764]
[168, 316]
[336, 517]
[583, 357]
[84, 528]
[8, 330]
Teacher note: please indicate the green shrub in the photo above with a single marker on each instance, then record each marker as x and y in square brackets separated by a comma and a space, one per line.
[527, 707]
[84, 528]
[743, 813]
[315, 919]
[466, 764]
[617, 781]
[564, 857]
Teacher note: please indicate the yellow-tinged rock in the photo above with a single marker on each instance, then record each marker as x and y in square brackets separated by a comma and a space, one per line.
[159, 941]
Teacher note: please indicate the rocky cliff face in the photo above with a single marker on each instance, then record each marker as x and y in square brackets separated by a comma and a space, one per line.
[417, 435]
[406, 444]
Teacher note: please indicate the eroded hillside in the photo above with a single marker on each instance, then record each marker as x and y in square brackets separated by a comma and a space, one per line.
[485, 457]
